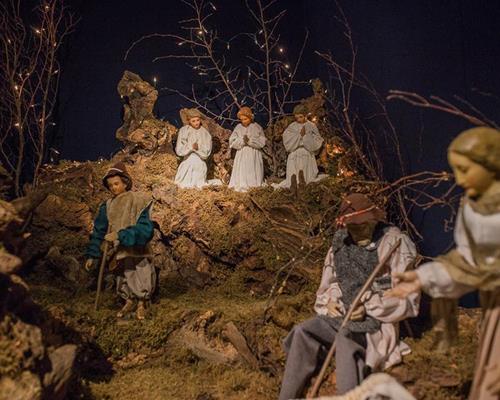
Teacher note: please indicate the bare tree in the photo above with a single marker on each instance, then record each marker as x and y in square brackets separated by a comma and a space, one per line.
[266, 80]
[29, 77]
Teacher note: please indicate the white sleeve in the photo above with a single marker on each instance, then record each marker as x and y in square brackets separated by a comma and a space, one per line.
[181, 147]
[312, 140]
[390, 309]
[235, 141]
[437, 282]
[204, 144]
[329, 288]
[291, 139]
[257, 140]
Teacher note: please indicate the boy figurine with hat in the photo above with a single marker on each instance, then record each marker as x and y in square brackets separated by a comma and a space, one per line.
[124, 222]
[194, 144]
[248, 139]
[370, 340]
[302, 141]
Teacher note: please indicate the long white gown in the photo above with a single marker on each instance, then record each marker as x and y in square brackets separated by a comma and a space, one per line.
[248, 167]
[192, 171]
[302, 150]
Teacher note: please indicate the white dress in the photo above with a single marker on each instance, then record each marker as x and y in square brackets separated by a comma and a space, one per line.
[248, 167]
[192, 171]
[302, 150]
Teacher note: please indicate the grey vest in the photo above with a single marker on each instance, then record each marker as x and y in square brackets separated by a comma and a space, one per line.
[353, 266]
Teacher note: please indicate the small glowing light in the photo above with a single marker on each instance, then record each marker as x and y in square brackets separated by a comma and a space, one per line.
[213, 7]
[155, 79]
[46, 7]
[37, 31]
[17, 124]
[260, 32]
[56, 72]
[281, 49]
[9, 41]
[287, 66]
[228, 45]
[200, 32]
[53, 123]
[202, 73]
[16, 87]
[180, 43]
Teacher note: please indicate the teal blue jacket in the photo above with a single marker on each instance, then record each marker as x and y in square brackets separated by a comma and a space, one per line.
[135, 235]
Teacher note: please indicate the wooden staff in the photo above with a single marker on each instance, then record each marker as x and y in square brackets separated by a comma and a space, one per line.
[101, 274]
[347, 317]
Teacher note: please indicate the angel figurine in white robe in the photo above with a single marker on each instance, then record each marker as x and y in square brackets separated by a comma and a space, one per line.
[248, 139]
[302, 141]
[194, 144]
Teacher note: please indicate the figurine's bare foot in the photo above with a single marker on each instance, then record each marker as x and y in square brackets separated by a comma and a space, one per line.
[302, 180]
[293, 185]
[141, 310]
[129, 306]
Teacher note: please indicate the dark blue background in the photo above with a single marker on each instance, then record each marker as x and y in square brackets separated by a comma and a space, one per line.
[440, 47]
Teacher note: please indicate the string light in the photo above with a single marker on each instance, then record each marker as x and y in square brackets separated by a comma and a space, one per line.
[281, 50]
[287, 66]
[213, 7]
[37, 31]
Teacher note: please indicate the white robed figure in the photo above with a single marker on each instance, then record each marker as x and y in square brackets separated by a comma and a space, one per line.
[302, 141]
[194, 143]
[248, 139]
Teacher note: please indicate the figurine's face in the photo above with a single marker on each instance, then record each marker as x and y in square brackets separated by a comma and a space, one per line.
[300, 118]
[362, 234]
[245, 121]
[116, 185]
[195, 122]
[473, 177]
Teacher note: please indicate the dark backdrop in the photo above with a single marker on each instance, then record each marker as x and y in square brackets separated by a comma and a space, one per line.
[440, 47]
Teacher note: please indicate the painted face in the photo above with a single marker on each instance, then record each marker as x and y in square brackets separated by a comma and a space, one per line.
[195, 122]
[116, 185]
[300, 118]
[361, 233]
[245, 121]
[471, 176]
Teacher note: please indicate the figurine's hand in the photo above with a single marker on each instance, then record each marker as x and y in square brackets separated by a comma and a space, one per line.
[246, 139]
[359, 313]
[407, 283]
[303, 131]
[334, 309]
[493, 387]
[195, 146]
[111, 237]
[89, 264]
